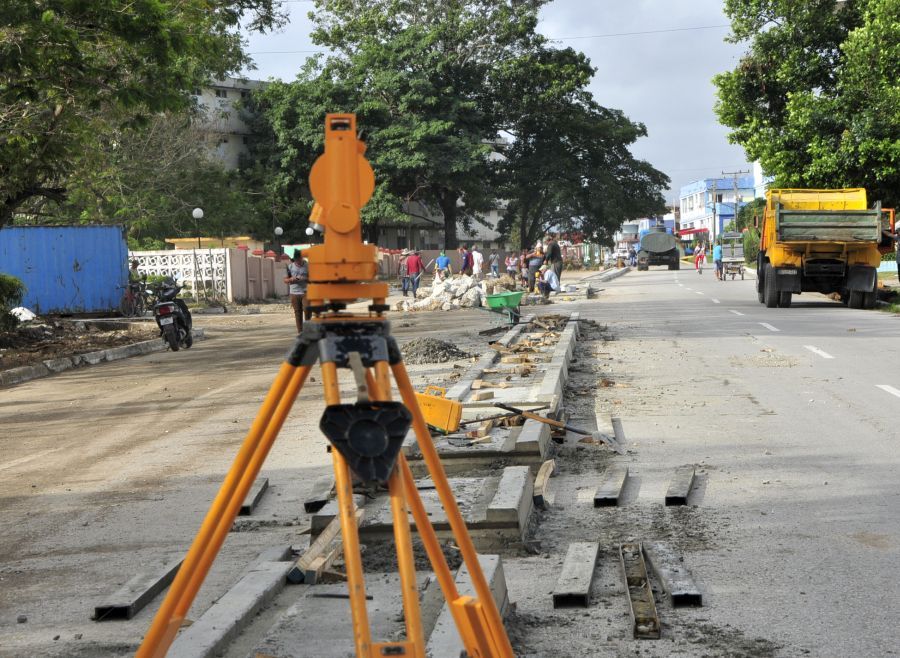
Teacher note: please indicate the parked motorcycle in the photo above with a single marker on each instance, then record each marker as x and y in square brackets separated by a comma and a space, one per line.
[172, 315]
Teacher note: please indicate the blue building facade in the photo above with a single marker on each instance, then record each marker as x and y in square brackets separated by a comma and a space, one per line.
[67, 269]
[710, 204]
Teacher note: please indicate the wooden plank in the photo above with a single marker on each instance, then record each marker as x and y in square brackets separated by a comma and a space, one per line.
[257, 491]
[610, 489]
[540, 483]
[674, 576]
[321, 493]
[680, 485]
[573, 588]
[135, 594]
[477, 396]
[323, 545]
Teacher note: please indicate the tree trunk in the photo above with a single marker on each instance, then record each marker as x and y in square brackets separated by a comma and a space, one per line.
[447, 200]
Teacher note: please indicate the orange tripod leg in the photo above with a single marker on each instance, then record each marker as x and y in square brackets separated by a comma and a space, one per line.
[356, 585]
[454, 516]
[206, 544]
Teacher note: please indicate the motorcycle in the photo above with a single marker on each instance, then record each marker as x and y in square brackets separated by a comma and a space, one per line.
[172, 315]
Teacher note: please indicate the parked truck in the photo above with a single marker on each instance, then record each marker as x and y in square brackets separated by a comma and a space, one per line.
[826, 241]
[659, 247]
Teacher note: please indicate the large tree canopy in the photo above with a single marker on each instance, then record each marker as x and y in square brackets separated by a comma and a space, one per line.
[66, 63]
[816, 98]
[441, 88]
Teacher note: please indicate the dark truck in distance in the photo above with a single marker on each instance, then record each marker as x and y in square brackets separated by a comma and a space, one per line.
[659, 248]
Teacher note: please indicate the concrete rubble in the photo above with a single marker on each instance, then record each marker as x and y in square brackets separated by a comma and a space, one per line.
[454, 293]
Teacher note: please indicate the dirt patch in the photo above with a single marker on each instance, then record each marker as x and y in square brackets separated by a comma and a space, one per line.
[52, 339]
[381, 557]
[431, 350]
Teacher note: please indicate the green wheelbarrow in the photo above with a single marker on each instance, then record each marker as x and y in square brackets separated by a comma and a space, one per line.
[507, 304]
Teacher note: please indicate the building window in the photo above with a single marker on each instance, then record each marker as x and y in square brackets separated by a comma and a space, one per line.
[244, 94]
[246, 139]
[221, 93]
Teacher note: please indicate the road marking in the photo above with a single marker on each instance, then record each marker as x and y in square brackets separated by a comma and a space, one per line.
[681, 284]
[769, 327]
[716, 301]
[888, 389]
[699, 293]
[731, 310]
[816, 350]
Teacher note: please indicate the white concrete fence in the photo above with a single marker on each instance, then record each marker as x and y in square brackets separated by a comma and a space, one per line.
[233, 274]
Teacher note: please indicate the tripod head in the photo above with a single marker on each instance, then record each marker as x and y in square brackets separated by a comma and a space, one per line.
[342, 269]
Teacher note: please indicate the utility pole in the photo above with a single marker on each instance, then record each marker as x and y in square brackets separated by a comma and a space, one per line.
[715, 221]
[734, 176]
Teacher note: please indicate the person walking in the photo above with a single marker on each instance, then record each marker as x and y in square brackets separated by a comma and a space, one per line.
[535, 260]
[415, 268]
[632, 256]
[699, 257]
[512, 265]
[553, 257]
[494, 262]
[466, 264]
[298, 279]
[477, 262]
[717, 260]
[403, 271]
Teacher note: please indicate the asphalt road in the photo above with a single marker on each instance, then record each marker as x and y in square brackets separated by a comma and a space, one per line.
[792, 416]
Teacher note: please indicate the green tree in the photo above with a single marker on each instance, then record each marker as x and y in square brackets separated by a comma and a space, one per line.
[417, 75]
[567, 164]
[815, 99]
[67, 64]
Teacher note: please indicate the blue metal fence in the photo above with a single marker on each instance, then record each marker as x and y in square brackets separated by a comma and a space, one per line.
[67, 269]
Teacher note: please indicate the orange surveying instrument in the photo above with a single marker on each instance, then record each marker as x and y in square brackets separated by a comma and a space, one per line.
[366, 435]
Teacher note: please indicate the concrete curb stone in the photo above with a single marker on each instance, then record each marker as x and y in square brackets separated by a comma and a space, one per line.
[49, 367]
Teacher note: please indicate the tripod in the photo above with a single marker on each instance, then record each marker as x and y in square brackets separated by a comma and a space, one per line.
[367, 435]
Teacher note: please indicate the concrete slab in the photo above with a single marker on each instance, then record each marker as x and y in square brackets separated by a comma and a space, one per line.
[574, 585]
[136, 593]
[319, 624]
[513, 502]
[444, 640]
[230, 614]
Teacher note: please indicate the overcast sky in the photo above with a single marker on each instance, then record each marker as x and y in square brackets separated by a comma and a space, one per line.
[661, 79]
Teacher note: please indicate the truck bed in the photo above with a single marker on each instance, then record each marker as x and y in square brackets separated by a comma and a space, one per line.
[828, 225]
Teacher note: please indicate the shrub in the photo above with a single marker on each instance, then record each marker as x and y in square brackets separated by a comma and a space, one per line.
[12, 290]
[751, 246]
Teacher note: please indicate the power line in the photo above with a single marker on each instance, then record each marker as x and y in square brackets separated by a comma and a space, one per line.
[628, 34]
[586, 36]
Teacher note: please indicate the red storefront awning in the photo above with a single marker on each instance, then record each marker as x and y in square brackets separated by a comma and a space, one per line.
[691, 231]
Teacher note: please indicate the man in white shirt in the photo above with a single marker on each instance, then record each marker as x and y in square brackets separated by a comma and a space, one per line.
[548, 281]
[477, 263]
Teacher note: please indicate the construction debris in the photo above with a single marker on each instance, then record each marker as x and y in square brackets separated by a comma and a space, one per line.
[431, 350]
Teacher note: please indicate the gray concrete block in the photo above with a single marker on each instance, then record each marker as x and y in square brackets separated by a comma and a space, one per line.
[512, 503]
[23, 374]
[534, 438]
[59, 365]
[444, 641]
[93, 358]
[230, 614]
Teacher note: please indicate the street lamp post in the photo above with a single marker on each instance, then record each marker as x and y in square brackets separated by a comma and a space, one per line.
[197, 215]
[278, 233]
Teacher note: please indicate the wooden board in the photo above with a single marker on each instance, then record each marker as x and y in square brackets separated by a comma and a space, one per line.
[540, 483]
[321, 546]
[135, 594]
[482, 395]
[680, 485]
[610, 489]
[674, 576]
[257, 491]
[573, 588]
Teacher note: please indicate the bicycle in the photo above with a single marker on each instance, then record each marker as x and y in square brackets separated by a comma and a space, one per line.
[134, 300]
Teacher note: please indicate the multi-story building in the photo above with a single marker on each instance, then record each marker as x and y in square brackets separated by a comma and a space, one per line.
[223, 125]
[709, 205]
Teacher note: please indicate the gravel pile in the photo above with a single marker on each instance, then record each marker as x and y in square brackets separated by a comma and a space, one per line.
[431, 350]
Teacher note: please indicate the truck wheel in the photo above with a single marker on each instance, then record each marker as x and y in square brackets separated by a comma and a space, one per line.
[856, 299]
[676, 265]
[784, 299]
[770, 293]
[760, 284]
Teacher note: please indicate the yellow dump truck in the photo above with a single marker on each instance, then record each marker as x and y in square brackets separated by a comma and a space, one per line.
[823, 241]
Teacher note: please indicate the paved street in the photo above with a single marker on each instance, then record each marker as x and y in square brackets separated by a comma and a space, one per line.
[790, 414]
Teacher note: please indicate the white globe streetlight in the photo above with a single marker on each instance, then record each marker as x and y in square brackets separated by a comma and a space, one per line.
[197, 214]
[279, 231]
